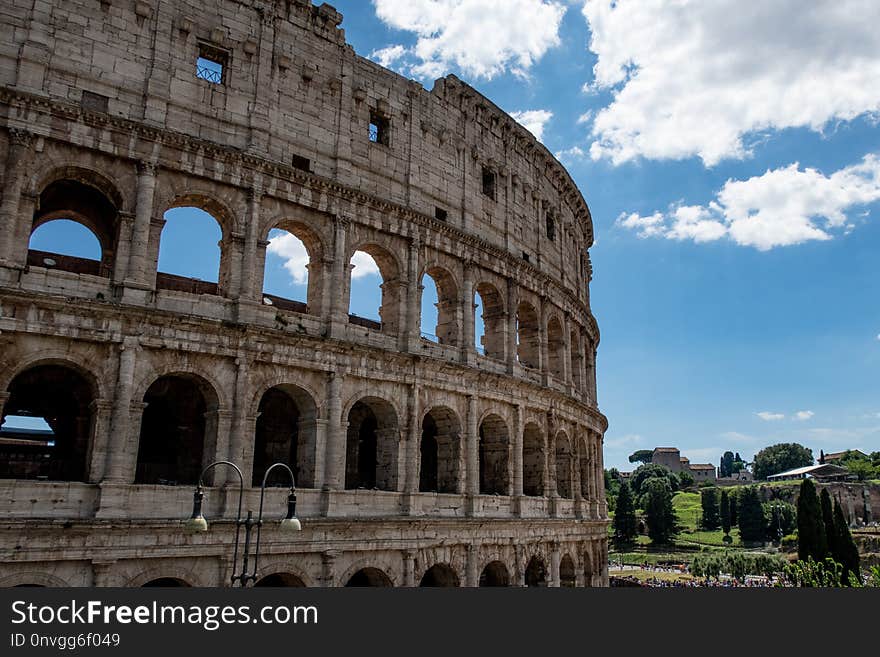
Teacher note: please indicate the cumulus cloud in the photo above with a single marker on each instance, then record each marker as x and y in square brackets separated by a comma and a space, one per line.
[767, 416]
[781, 207]
[291, 249]
[803, 415]
[364, 265]
[703, 77]
[482, 38]
[533, 121]
[570, 154]
[389, 55]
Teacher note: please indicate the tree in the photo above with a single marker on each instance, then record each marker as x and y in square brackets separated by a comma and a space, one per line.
[828, 521]
[726, 466]
[725, 511]
[685, 480]
[709, 501]
[649, 471]
[658, 510]
[643, 456]
[779, 458]
[734, 516]
[845, 551]
[822, 456]
[812, 541]
[625, 527]
[781, 519]
[750, 515]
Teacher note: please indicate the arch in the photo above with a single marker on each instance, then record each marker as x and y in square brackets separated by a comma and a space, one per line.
[372, 445]
[176, 425]
[563, 465]
[51, 436]
[445, 329]
[556, 348]
[491, 342]
[286, 432]
[567, 578]
[166, 582]
[494, 455]
[32, 579]
[440, 575]
[191, 260]
[495, 574]
[441, 452]
[534, 460]
[167, 571]
[389, 271]
[369, 577]
[536, 572]
[528, 336]
[280, 580]
[297, 249]
[86, 198]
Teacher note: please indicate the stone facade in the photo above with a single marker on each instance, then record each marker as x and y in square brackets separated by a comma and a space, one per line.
[416, 461]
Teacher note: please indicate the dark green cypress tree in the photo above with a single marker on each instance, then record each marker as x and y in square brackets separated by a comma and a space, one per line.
[751, 515]
[658, 510]
[847, 554]
[625, 527]
[734, 518]
[725, 511]
[709, 501]
[828, 521]
[812, 541]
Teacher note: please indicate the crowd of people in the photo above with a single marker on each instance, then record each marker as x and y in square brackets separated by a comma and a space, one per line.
[656, 578]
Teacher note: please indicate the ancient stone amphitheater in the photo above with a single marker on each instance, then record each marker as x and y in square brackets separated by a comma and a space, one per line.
[443, 460]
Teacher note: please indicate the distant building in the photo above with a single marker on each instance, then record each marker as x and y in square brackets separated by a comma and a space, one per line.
[702, 472]
[821, 472]
[833, 457]
[671, 458]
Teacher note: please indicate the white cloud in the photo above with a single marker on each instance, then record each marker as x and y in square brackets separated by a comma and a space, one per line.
[293, 252]
[767, 416]
[570, 154]
[389, 55]
[704, 77]
[533, 121]
[781, 207]
[482, 38]
[629, 440]
[364, 265]
[586, 117]
[803, 415]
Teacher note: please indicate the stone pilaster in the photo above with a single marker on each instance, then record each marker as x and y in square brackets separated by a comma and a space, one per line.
[17, 158]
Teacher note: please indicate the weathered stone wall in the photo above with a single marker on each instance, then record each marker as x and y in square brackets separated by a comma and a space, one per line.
[100, 102]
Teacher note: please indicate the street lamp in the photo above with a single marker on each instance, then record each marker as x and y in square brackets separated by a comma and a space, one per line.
[290, 523]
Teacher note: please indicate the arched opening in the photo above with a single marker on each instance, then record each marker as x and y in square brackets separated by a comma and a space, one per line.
[440, 575]
[527, 336]
[566, 573]
[166, 582]
[584, 463]
[439, 307]
[440, 451]
[489, 322]
[280, 580]
[495, 574]
[494, 452]
[533, 461]
[72, 216]
[369, 577]
[374, 298]
[174, 430]
[372, 445]
[191, 253]
[536, 572]
[285, 433]
[556, 349]
[292, 274]
[563, 466]
[47, 425]
[577, 363]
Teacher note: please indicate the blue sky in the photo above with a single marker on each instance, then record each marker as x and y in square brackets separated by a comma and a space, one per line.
[730, 155]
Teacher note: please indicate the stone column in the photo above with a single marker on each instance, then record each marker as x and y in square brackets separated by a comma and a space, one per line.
[335, 450]
[472, 576]
[472, 439]
[247, 290]
[238, 440]
[467, 314]
[543, 350]
[140, 234]
[511, 326]
[17, 157]
[600, 478]
[101, 574]
[566, 358]
[122, 450]
[409, 568]
[102, 411]
[328, 569]
[412, 332]
[519, 568]
[338, 311]
[413, 443]
[518, 451]
[554, 565]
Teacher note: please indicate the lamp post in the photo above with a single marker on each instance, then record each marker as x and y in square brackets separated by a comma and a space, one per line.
[197, 522]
